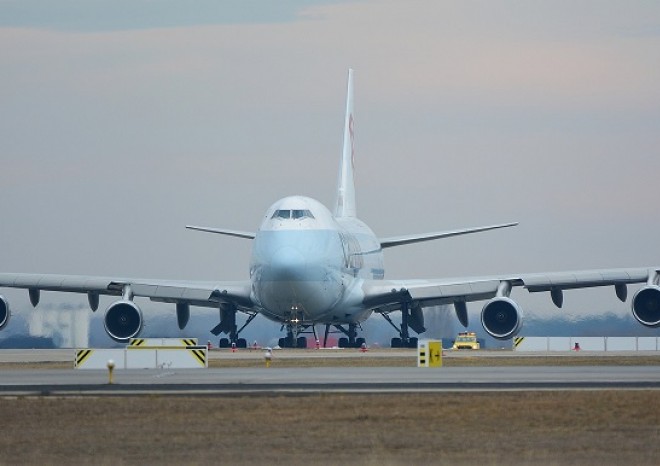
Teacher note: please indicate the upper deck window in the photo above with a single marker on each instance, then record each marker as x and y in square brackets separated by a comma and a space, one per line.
[297, 214]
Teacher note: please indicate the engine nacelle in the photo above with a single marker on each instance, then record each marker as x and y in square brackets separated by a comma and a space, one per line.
[646, 306]
[5, 312]
[502, 318]
[123, 320]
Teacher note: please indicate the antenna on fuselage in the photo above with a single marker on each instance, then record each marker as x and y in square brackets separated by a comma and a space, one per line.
[345, 206]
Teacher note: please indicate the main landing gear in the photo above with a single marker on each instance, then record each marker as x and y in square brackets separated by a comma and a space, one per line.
[228, 326]
[349, 341]
[293, 339]
[404, 340]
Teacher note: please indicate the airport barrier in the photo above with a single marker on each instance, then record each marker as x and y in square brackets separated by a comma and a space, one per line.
[161, 342]
[429, 353]
[183, 357]
[586, 343]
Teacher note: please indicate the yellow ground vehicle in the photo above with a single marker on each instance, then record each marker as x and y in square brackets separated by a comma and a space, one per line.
[466, 340]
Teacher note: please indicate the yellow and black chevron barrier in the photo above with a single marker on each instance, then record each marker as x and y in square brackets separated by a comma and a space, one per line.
[82, 355]
[145, 353]
[200, 355]
[162, 342]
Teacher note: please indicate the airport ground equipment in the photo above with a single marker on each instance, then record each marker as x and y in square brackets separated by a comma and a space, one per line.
[466, 340]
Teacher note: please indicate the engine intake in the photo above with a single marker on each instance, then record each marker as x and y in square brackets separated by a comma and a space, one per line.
[123, 320]
[646, 306]
[5, 312]
[502, 318]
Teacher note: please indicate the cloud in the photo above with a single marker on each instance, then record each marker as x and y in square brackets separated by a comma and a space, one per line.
[116, 15]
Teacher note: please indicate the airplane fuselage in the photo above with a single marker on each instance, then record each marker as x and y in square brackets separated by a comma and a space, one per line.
[307, 266]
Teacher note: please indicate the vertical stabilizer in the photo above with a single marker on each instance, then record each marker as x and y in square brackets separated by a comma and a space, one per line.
[346, 187]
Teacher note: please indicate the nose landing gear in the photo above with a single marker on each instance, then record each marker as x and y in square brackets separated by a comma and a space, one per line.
[293, 338]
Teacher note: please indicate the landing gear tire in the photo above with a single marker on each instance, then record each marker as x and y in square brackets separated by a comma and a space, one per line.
[359, 342]
[412, 342]
[241, 343]
[289, 342]
[343, 342]
[396, 343]
[286, 342]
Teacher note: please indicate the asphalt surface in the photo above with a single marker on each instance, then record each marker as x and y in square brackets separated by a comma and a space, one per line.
[310, 380]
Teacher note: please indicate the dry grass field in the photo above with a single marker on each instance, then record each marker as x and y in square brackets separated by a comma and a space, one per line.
[578, 427]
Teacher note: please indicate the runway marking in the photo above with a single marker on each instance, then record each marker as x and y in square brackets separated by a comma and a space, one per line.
[128, 390]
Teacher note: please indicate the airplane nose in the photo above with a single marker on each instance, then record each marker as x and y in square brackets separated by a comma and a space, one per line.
[287, 264]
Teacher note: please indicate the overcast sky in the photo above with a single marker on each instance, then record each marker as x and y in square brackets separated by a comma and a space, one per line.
[122, 121]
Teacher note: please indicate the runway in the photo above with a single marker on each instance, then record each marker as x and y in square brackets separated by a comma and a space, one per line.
[312, 380]
[300, 380]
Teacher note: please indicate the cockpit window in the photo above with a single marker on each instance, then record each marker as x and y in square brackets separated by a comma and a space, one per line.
[301, 214]
[297, 214]
[282, 214]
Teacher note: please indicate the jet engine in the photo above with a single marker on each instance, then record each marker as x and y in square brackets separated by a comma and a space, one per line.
[502, 318]
[123, 320]
[646, 306]
[5, 313]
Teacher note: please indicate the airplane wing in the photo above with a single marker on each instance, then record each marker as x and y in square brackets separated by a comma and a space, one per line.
[389, 295]
[380, 293]
[416, 238]
[448, 291]
[123, 318]
[191, 292]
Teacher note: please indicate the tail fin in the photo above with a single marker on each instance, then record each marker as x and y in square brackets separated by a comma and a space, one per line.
[346, 188]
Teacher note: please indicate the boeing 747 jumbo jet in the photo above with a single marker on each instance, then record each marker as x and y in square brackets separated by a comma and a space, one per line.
[311, 266]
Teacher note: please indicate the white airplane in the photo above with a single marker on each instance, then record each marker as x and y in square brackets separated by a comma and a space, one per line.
[310, 266]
